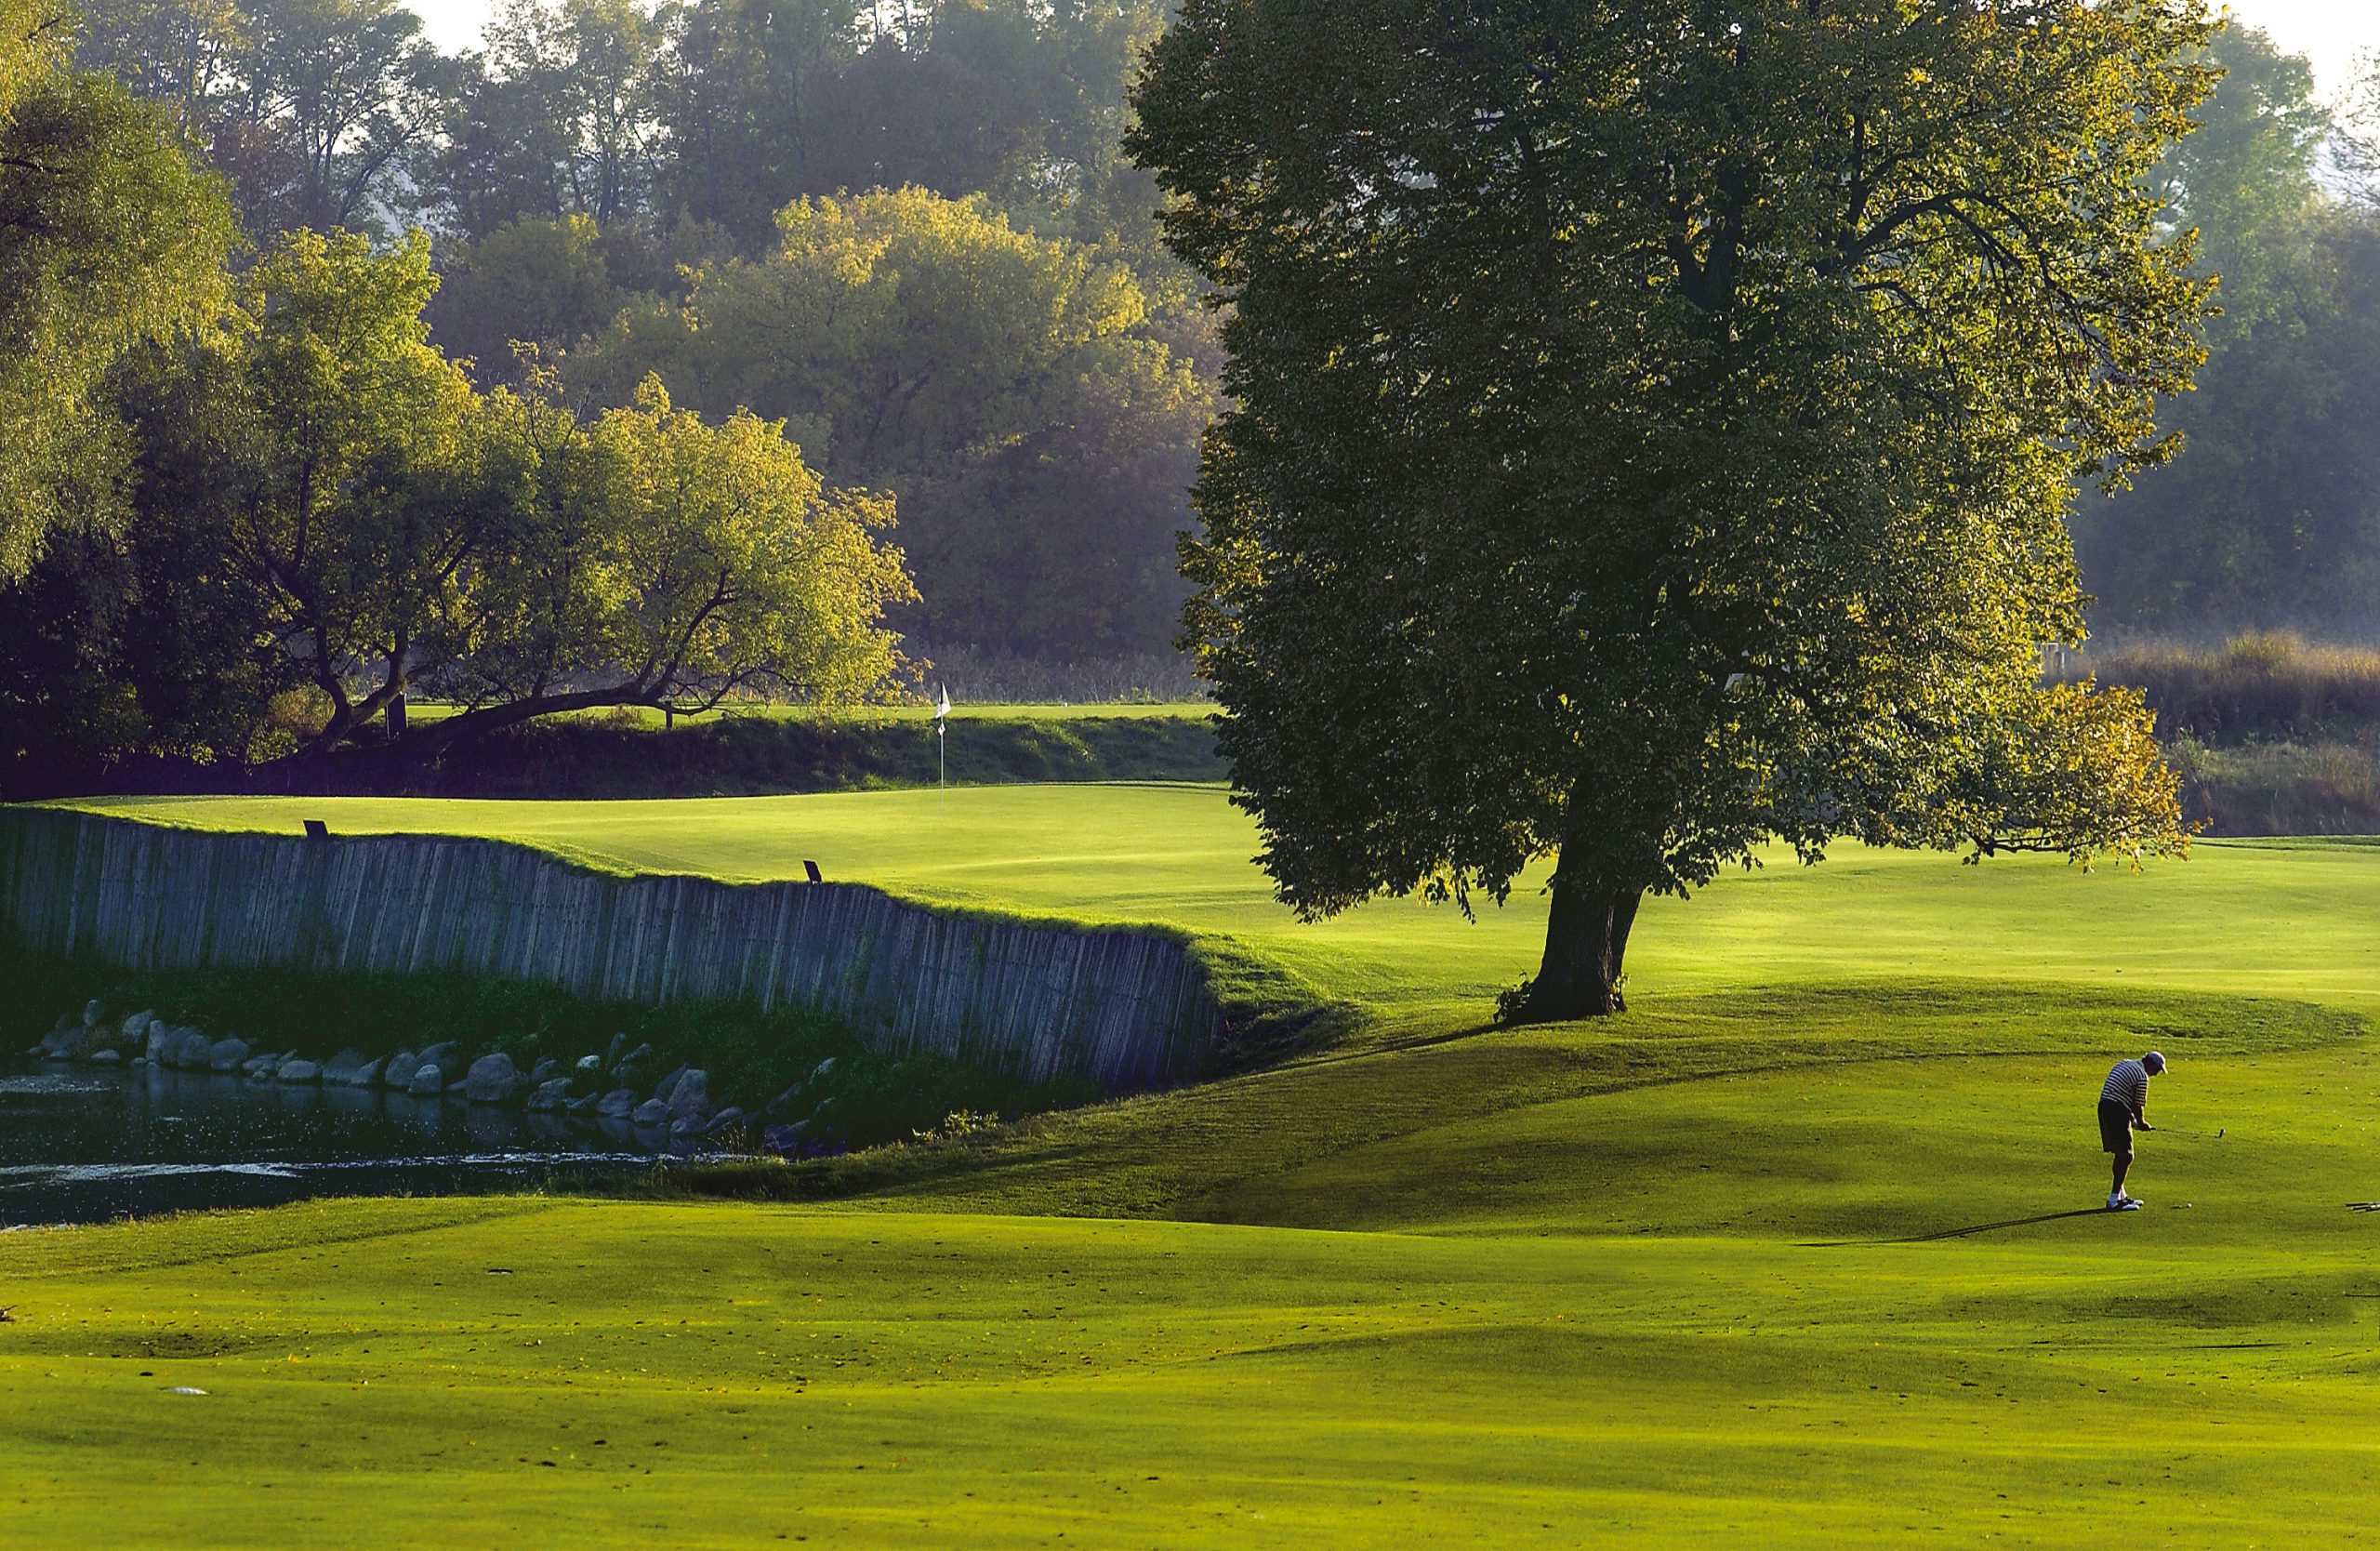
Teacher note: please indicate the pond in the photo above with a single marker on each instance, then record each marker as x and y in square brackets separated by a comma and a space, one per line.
[86, 1144]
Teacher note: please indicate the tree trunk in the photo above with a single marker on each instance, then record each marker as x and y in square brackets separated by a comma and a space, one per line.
[1586, 942]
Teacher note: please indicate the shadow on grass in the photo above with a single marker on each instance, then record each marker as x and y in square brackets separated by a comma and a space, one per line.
[1956, 1232]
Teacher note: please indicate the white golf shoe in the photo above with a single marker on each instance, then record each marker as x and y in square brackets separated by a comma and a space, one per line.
[2122, 1203]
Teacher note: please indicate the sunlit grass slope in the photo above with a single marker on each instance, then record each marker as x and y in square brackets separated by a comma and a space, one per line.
[1836, 1306]
[1801, 1251]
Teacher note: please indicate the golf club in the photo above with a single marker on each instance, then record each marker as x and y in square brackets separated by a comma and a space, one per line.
[2215, 1135]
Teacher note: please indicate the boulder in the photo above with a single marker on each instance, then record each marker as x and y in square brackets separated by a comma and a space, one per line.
[160, 1035]
[428, 1081]
[446, 1056]
[726, 1119]
[105, 1056]
[551, 1094]
[781, 1106]
[583, 1104]
[137, 1025]
[225, 1056]
[611, 1052]
[296, 1070]
[350, 1069]
[823, 1070]
[78, 1044]
[692, 1126]
[259, 1065]
[92, 1013]
[191, 1051]
[668, 1087]
[651, 1112]
[616, 1104]
[630, 1061]
[588, 1064]
[544, 1071]
[492, 1079]
[690, 1100]
[400, 1070]
[784, 1140]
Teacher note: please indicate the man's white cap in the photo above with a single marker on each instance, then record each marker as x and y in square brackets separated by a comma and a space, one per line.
[2153, 1063]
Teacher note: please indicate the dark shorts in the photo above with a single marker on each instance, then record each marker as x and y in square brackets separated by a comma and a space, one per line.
[2115, 1127]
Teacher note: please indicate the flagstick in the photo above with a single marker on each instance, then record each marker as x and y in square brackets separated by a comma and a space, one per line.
[942, 749]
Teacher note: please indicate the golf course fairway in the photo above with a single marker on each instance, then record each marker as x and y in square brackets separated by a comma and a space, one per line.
[1799, 1252]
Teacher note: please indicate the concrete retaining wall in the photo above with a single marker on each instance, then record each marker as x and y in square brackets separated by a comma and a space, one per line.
[1127, 1010]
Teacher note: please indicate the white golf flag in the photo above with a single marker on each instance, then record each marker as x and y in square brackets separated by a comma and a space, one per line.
[943, 710]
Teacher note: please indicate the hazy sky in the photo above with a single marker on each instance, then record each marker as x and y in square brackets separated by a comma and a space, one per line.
[2330, 31]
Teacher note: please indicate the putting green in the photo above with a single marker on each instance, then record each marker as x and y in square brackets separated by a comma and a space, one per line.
[1798, 1252]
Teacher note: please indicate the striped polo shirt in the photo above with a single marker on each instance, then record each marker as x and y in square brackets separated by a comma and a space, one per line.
[2127, 1085]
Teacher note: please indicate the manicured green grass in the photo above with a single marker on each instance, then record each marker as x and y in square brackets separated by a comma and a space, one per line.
[1650, 1317]
[2284, 918]
[1797, 1253]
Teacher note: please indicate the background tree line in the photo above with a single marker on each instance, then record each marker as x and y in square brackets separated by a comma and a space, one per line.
[910, 233]
[613, 225]
[601, 158]
[2271, 514]
[1002, 342]
[248, 506]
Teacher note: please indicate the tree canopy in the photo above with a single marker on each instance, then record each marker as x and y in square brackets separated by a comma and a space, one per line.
[1003, 384]
[108, 237]
[1653, 427]
[2273, 513]
[326, 517]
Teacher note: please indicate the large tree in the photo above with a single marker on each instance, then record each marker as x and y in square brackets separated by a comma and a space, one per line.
[108, 237]
[1654, 426]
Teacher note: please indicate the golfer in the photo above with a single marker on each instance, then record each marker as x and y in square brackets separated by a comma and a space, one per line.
[2124, 1103]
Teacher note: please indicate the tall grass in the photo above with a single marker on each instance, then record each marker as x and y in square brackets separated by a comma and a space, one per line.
[2280, 788]
[984, 676]
[2265, 685]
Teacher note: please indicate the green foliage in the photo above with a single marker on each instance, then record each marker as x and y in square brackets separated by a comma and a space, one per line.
[309, 107]
[108, 238]
[1630, 460]
[599, 157]
[322, 499]
[541, 284]
[682, 561]
[2269, 518]
[763, 104]
[999, 381]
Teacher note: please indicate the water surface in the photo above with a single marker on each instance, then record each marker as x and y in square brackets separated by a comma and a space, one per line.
[86, 1144]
